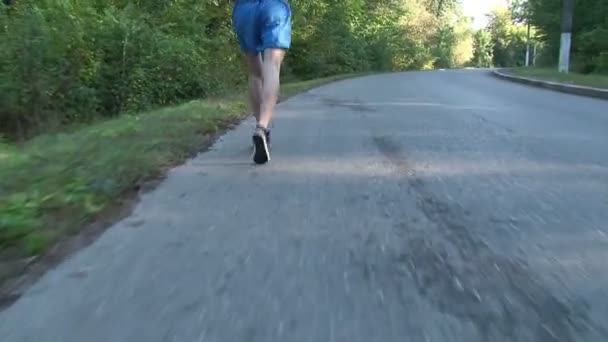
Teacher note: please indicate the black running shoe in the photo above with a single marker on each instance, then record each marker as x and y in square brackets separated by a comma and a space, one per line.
[261, 154]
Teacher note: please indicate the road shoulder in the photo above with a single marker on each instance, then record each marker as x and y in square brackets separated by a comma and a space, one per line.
[556, 86]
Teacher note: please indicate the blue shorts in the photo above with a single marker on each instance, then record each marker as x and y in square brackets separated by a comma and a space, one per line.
[262, 24]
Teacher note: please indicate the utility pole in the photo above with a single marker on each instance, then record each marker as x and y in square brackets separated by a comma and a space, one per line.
[566, 40]
[528, 45]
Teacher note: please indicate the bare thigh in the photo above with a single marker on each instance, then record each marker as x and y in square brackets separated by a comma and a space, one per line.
[274, 55]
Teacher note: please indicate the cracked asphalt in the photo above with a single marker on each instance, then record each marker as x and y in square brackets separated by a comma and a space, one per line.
[422, 206]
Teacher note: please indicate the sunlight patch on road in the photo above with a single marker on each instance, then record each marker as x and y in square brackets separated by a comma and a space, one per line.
[462, 167]
[377, 166]
[352, 104]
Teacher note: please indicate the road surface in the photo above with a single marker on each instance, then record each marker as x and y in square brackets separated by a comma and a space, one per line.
[423, 206]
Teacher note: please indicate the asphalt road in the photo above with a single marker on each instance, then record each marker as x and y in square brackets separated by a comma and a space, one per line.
[423, 206]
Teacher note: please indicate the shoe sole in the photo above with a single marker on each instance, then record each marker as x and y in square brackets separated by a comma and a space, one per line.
[260, 150]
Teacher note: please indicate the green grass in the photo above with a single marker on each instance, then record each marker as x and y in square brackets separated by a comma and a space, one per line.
[590, 80]
[54, 184]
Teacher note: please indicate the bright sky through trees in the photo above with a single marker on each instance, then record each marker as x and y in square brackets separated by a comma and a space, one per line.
[479, 8]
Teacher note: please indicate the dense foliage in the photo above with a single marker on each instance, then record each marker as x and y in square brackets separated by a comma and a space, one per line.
[66, 61]
[507, 30]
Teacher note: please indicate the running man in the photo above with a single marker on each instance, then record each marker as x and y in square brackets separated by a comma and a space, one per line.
[263, 28]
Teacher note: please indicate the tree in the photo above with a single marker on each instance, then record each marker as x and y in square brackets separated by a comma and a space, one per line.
[482, 49]
[508, 39]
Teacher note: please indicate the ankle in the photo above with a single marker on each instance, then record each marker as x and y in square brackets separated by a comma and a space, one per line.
[263, 125]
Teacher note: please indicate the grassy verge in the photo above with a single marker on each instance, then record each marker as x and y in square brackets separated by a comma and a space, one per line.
[591, 80]
[55, 184]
